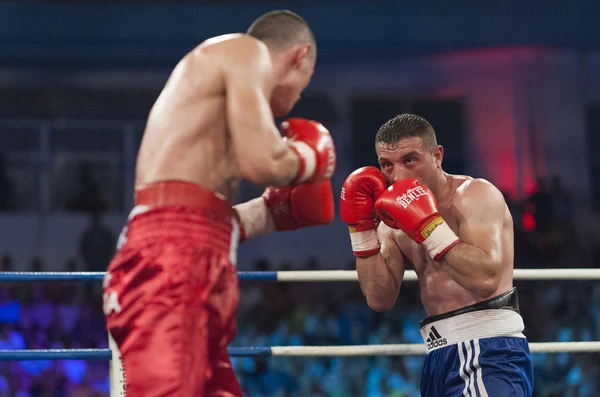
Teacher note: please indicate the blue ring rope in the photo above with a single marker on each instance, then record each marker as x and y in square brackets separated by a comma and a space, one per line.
[17, 277]
[74, 354]
[257, 276]
[106, 354]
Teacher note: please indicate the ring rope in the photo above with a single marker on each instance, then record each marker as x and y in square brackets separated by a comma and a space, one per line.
[412, 349]
[55, 354]
[305, 275]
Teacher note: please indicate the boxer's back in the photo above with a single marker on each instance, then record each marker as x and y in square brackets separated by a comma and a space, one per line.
[186, 136]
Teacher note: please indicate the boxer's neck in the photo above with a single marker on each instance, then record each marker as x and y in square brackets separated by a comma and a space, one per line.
[443, 187]
[280, 68]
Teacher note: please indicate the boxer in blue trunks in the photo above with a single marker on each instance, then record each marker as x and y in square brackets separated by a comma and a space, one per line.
[457, 234]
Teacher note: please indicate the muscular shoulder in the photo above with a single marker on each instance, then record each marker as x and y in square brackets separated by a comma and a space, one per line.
[237, 52]
[477, 192]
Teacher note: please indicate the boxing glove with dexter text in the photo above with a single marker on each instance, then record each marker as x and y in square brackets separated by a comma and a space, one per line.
[412, 208]
[357, 201]
[313, 144]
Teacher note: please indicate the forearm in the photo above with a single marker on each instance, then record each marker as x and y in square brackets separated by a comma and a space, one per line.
[254, 218]
[277, 169]
[286, 166]
[472, 268]
[302, 161]
[377, 282]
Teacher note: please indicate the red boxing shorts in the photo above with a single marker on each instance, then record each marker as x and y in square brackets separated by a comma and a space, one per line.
[171, 293]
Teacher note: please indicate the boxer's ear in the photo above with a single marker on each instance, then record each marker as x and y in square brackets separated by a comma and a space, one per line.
[299, 53]
[438, 155]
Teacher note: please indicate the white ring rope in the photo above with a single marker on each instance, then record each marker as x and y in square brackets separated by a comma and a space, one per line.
[409, 275]
[416, 349]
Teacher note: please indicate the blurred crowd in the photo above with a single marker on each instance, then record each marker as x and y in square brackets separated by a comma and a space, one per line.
[53, 315]
[336, 314]
[64, 316]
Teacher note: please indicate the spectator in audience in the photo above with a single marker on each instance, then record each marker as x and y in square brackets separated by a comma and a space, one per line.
[69, 309]
[553, 239]
[8, 199]
[543, 206]
[88, 197]
[10, 309]
[6, 263]
[563, 205]
[37, 265]
[97, 244]
[563, 237]
[11, 338]
[43, 311]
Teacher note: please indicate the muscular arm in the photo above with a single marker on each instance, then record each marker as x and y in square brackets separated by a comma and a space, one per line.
[264, 158]
[380, 275]
[476, 261]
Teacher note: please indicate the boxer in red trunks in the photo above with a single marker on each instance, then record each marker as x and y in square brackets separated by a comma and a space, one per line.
[171, 292]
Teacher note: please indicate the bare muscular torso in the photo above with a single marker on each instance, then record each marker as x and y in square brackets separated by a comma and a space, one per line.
[439, 293]
[186, 136]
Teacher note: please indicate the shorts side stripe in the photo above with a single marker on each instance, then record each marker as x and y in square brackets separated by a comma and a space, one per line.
[469, 369]
[478, 372]
[463, 375]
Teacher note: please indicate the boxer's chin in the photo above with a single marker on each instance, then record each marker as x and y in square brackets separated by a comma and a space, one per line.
[283, 100]
[280, 108]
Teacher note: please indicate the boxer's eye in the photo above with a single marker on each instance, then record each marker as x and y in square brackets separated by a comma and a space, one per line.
[386, 164]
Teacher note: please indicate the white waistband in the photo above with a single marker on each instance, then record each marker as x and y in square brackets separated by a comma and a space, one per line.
[474, 325]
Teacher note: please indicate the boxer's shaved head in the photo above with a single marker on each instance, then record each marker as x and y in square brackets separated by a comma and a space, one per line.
[283, 28]
[404, 126]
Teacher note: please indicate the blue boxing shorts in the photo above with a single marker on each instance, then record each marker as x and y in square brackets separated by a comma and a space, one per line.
[477, 351]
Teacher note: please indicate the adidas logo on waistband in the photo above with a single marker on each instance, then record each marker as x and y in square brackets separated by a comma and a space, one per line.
[435, 339]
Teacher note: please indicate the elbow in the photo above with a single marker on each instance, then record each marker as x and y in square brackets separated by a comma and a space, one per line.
[488, 286]
[489, 277]
[380, 305]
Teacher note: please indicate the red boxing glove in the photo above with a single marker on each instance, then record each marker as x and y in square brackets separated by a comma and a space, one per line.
[286, 208]
[300, 206]
[359, 192]
[313, 144]
[411, 207]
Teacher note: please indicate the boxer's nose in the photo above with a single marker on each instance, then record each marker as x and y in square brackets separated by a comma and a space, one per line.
[399, 174]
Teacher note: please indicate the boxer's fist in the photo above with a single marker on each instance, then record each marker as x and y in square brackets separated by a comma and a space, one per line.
[412, 208]
[357, 201]
[285, 208]
[300, 206]
[313, 144]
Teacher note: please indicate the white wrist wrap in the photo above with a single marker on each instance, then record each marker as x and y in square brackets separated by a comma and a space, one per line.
[309, 157]
[255, 218]
[440, 240]
[364, 241]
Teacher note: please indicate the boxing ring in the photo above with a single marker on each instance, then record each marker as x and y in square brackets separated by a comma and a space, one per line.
[414, 349]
